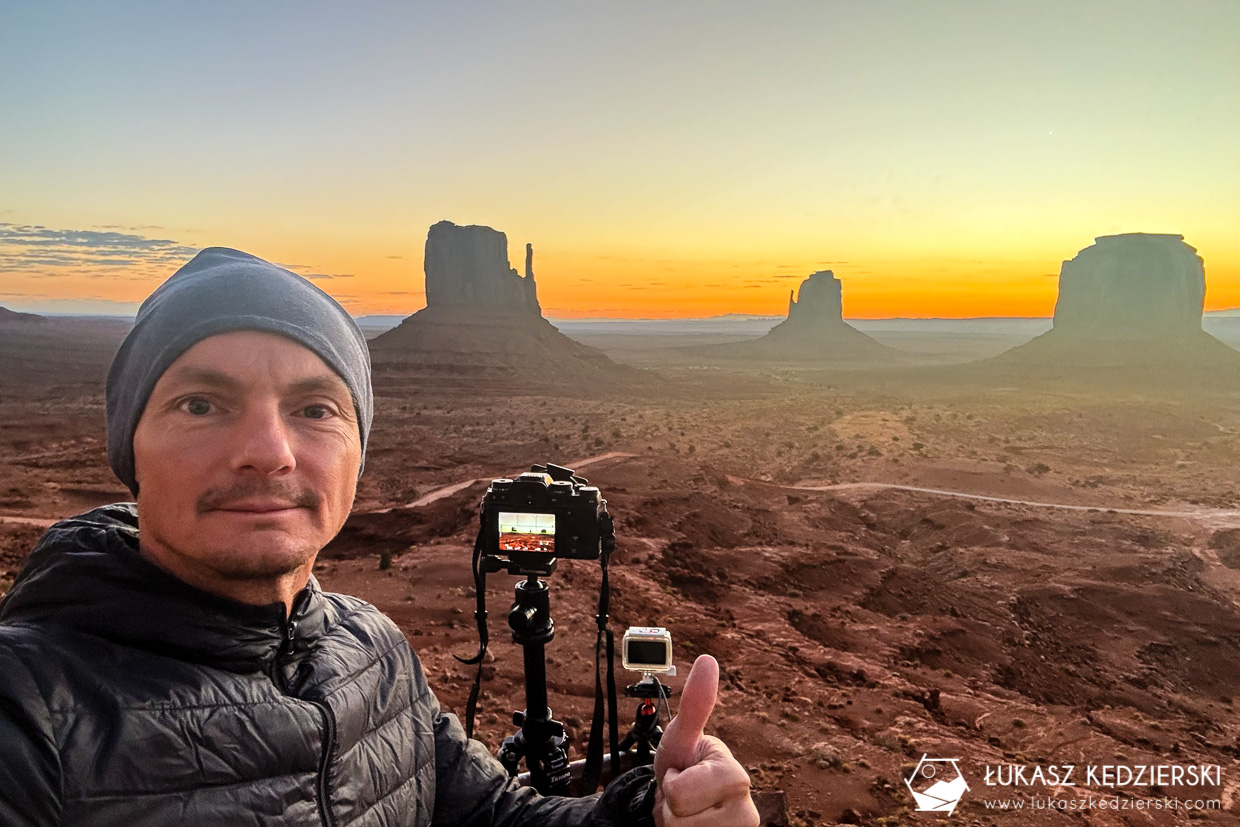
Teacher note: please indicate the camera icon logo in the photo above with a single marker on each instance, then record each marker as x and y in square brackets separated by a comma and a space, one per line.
[937, 784]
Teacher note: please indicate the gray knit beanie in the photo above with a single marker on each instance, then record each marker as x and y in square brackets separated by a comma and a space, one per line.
[218, 291]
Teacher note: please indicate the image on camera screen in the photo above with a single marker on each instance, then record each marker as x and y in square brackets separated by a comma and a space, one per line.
[647, 653]
[527, 532]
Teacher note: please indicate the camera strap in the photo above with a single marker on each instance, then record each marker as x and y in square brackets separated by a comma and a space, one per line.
[480, 616]
[604, 643]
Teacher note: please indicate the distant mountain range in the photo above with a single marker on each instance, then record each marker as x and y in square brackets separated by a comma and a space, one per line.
[726, 322]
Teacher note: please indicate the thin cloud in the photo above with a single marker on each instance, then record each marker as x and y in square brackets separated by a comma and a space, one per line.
[32, 249]
[312, 272]
[135, 229]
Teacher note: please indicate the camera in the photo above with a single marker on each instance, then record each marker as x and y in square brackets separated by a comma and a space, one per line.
[648, 649]
[541, 515]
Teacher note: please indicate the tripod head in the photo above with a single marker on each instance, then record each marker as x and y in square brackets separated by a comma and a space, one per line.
[648, 687]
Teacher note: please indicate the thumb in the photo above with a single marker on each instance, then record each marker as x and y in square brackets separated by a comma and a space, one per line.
[678, 748]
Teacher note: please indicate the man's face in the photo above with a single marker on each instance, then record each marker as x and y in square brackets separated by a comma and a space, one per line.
[247, 456]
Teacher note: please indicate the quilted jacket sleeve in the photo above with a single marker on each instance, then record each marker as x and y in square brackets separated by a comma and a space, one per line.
[29, 761]
[472, 789]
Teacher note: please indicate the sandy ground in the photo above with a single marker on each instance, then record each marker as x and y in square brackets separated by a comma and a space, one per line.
[886, 569]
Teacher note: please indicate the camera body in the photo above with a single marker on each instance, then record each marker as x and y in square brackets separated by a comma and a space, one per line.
[536, 518]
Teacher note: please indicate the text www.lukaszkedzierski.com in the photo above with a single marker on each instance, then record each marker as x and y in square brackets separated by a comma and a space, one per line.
[1092, 803]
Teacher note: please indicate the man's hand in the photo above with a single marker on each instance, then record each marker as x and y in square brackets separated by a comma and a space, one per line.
[699, 782]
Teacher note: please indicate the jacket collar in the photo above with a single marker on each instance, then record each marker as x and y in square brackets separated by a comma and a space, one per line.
[86, 574]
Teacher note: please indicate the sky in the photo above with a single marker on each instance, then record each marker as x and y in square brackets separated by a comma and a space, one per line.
[666, 159]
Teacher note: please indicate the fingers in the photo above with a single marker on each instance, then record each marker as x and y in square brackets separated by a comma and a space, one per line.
[716, 778]
[679, 746]
[735, 812]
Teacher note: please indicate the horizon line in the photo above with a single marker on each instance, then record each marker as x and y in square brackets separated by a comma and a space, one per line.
[724, 316]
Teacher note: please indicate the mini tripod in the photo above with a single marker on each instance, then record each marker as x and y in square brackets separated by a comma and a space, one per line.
[643, 737]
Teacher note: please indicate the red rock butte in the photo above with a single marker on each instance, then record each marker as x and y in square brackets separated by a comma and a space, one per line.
[482, 318]
[1131, 301]
[815, 331]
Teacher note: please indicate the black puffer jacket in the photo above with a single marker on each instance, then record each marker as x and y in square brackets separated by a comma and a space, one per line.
[129, 698]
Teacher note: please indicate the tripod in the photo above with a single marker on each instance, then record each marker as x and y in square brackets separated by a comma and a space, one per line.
[540, 740]
[644, 736]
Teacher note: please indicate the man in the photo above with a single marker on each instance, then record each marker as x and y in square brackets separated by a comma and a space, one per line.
[174, 661]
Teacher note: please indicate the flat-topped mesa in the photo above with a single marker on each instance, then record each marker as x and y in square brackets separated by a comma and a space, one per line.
[1129, 313]
[467, 271]
[1132, 286]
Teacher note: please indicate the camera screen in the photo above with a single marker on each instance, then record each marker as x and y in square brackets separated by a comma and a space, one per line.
[526, 532]
[647, 653]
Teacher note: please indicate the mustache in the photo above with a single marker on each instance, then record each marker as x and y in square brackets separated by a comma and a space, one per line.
[282, 490]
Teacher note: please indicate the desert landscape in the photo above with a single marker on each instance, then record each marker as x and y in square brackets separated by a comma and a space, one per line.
[950, 552]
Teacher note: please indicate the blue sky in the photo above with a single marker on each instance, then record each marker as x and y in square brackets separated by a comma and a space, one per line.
[948, 151]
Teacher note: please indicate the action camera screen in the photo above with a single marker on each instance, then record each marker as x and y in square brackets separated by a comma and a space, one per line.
[526, 532]
[647, 652]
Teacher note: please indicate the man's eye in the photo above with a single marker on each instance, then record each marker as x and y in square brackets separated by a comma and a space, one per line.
[316, 412]
[196, 406]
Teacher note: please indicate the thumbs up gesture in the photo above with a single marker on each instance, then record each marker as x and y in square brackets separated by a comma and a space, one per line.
[699, 783]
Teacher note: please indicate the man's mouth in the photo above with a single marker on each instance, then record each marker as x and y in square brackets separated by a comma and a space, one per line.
[253, 499]
[257, 506]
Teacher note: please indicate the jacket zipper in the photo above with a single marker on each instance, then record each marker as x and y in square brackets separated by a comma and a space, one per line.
[288, 632]
[329, 724]
[329, 745]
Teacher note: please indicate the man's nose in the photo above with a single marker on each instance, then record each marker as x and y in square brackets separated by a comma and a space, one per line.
[262, 442]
